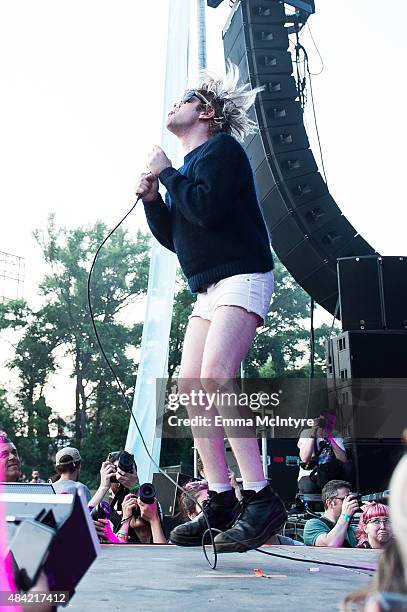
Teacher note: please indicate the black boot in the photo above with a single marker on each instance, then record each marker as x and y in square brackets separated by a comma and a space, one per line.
[221, 510]
[261, 516]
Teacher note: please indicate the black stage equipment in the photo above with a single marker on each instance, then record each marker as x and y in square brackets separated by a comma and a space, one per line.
[284, 466]
[308, 229]
[367, 386]
[53, 533]
[366, 354]
[167, 494]
[375, 461]
[373, 293]
[214, 3]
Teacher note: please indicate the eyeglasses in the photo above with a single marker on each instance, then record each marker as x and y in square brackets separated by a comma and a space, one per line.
[378, 521]
[193, 93]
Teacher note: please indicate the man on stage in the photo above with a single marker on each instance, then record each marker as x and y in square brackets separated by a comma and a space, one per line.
[211, 219]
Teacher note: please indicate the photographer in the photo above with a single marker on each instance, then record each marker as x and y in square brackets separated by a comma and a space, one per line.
[112, 476]
[333, 528]
[135, 521]
[141, 522]
[322, 455]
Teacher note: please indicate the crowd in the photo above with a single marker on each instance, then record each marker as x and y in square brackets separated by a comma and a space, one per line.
[121, 515]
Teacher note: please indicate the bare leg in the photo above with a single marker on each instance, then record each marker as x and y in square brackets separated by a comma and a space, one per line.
[211, 449]
[230, 335]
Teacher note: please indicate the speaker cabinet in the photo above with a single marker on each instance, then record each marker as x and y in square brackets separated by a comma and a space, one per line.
[308, 229]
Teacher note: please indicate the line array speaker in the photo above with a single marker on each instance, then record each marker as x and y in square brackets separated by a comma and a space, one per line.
[308, 229]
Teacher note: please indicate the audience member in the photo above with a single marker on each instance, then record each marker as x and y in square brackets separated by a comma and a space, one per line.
[68, 465]
[111, 477]
[322, 454]
[139, 522]
[333, 528]
[374, 529]
[35, 477]
[196, 492]
[10, 464]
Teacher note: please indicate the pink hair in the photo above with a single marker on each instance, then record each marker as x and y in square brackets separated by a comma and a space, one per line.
[368, 514]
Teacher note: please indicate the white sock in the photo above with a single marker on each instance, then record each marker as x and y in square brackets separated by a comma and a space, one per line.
[219, 487]
[255, 486]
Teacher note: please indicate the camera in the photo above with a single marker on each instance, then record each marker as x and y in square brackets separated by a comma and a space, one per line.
[147, 495]
[101, 511]
[324, 444]
[126, 463]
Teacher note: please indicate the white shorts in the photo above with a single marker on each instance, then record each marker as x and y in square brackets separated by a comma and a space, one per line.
[251, 291]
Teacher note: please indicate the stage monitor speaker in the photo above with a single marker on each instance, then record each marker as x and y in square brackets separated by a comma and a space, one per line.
[74, 545]
[167, 493]
[289, 185]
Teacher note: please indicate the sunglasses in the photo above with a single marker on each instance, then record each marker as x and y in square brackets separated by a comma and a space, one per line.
[193, 93]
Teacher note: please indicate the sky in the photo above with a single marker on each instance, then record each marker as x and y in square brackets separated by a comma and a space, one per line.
[81, 105]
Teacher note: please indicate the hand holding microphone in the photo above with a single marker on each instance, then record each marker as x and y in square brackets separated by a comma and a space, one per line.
[148, 187]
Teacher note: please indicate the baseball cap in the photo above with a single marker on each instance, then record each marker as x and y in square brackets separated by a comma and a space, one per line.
[69, 455]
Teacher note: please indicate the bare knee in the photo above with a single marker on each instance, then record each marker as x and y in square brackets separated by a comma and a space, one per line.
[215, 378]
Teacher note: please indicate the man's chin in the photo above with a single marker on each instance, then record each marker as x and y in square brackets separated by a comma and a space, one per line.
[170, 126]
[12, 476]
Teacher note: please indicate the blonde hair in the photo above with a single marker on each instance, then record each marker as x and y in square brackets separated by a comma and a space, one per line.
[230, 102]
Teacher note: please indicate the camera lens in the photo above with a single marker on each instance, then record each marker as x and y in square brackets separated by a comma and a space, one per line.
[147, 493]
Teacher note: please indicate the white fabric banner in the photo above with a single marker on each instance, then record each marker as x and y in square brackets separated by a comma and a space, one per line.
[148, 401]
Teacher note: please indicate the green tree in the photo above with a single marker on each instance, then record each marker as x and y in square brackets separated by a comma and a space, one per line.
[61, 329]
[7, 420]
[119, 279]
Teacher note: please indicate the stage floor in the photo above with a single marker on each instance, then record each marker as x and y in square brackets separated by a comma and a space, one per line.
[165, 577]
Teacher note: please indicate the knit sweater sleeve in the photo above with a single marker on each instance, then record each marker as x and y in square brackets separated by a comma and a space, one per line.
[159, 221]
[207, 197]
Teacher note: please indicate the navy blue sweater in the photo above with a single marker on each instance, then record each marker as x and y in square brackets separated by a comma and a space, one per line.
[211, 218]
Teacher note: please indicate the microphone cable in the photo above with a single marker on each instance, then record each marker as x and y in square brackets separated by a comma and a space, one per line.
[122, 391]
